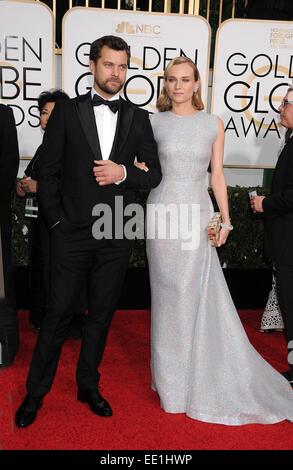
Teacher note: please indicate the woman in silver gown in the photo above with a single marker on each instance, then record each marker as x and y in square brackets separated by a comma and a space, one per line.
[201, 359]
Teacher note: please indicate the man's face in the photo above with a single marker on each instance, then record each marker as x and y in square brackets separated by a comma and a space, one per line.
[109, 71]
[286, 111]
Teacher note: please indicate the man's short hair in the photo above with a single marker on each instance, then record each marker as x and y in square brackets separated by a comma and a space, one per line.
[113, 42]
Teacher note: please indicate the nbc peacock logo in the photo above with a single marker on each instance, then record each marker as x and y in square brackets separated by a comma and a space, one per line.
[125, 27]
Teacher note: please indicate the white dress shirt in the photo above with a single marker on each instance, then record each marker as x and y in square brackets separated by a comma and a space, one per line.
[106, 122]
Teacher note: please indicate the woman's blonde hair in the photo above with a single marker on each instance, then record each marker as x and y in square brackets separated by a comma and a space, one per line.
[164, 103]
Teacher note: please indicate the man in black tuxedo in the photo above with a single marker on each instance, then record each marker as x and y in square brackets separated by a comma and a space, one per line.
[87, 160]
[9, 161]
[278, 213]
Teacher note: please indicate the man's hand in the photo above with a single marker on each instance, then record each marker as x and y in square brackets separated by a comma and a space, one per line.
[256, 203]
[107, 172]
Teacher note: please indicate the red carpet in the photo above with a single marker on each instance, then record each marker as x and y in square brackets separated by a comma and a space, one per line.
[137, 422]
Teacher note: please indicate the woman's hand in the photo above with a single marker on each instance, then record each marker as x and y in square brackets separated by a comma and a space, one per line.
[19, 189]
[222, 237]
[26, 185]
[141, 166]
[29, 185]
[218, 239]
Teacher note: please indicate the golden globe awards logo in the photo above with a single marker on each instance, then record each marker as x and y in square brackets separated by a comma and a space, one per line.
[141, 29]
[21, 64]
[152, 45]
[145, 71]
[254, 92]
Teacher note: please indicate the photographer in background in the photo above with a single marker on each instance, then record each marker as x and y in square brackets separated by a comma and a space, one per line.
[278, 214]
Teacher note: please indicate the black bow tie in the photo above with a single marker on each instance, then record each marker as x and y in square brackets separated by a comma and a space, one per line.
[113, 105]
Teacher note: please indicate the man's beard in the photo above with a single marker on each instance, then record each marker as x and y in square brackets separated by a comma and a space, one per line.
[110, 91]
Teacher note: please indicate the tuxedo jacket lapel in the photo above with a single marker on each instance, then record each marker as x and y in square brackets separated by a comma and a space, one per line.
[87, 118]
[124, 121]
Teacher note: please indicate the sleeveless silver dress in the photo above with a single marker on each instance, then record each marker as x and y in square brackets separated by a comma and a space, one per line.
[201, 359]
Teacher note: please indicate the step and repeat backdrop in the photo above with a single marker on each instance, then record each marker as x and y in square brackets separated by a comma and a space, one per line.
[252, 68]
[154, 40]
[26, 65]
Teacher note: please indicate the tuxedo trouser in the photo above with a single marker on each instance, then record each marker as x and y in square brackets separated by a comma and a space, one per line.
[39, 268]
[6, 230]
[73, 258]
[285, 299]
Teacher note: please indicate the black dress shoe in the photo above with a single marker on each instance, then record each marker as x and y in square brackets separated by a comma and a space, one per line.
[288, 376]
[96, 402]
[27, 412]
[35, 320]
[36, 328]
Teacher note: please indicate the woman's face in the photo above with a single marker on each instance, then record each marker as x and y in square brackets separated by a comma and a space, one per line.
[45, 114]
[180, 83]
